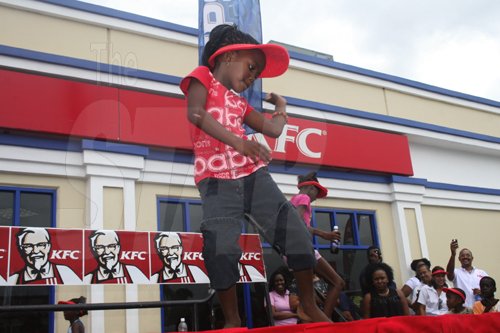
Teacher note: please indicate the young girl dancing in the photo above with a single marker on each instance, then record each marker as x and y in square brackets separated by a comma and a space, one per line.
[231, 171]
[75, 324]
[309, 190]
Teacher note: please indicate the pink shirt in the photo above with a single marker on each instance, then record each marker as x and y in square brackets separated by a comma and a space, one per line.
[282, 304]
[213, 158]
[303, 200]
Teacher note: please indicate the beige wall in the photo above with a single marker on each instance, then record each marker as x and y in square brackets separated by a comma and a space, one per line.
[321, 88]
[96, 43]
[443, 114]
[413, 236]
[477, 230]
[113, 208]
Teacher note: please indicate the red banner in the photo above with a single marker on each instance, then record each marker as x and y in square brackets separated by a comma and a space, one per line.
[53, 256]
[116, 114]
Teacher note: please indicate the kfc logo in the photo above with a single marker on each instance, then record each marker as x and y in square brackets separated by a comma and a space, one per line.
[293, 134]
[65, 254]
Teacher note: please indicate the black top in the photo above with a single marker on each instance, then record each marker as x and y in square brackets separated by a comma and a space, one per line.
[386, 306]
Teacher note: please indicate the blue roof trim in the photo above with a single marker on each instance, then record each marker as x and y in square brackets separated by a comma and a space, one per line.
[46, 143]
[390, 119]
[105, 11]
[87, 65]
[443, 186]
[280, 167]
[169, 79]
[181, 156]
[114, 147]
[178, 156]
[393, 78]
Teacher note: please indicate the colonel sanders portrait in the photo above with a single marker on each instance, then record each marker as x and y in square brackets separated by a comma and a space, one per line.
[34, 246]
[106, 249]
[170, 251]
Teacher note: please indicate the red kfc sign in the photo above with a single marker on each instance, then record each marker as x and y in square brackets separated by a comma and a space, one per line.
[53, 256]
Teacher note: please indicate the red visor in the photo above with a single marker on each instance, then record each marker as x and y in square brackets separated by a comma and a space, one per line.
[439, 271]
[456, 292]
[322, 191]
[277, 57]
[66, 302]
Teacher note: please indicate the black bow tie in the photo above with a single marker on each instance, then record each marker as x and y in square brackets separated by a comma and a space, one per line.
[38, 272]
[110, 271]
[174, 272]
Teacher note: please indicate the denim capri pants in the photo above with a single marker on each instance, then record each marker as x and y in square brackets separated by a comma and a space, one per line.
[225, 202]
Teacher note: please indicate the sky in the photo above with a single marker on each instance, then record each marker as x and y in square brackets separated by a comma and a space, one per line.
[452, 44]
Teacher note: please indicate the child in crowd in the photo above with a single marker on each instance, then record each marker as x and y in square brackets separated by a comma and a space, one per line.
[455, 299]
[383, 301]
[488, 303]
[73, 316]
[309, 190]
[231, 171]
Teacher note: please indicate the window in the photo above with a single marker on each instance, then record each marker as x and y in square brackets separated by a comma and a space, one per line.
[358, 229]
[30, 208]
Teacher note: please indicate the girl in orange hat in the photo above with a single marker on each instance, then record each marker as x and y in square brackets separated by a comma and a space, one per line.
[230, 170]
[309, 190]
[73, 316]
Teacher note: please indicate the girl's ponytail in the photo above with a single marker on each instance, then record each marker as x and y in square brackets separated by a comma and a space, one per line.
[223, 35]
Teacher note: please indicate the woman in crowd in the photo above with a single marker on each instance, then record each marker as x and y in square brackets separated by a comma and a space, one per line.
[432, 300]
[383, 301]
[488, 303]
[425, 276]
[283, 305]
[414, 281]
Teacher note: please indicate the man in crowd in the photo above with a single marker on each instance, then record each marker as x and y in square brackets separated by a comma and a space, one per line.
[466, 277]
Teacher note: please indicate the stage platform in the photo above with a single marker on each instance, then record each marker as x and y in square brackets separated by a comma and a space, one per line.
[485, 323]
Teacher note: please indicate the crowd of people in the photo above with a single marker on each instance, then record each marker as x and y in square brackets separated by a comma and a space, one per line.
[231, 175]
[430, 292]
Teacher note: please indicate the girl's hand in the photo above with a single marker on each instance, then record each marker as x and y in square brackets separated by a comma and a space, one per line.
[254, 151]
[275, 99]
[333, 235]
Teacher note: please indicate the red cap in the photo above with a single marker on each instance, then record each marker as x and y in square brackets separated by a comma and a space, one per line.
[439, 271]
[66, 302]
[322, 191]
[456, 292]
[277, 57]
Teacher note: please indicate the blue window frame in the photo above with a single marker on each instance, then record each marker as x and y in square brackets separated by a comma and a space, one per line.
[359, 231]
[30, 207]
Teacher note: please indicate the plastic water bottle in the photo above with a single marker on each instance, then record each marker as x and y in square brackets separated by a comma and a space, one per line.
[183, 327]
[335, 243]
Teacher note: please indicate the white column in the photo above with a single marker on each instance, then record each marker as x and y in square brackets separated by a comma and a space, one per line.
[105, 169]
[407, 196]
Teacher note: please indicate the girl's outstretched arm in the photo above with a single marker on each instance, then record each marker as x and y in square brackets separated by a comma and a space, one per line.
[196, 100]
[270, 127]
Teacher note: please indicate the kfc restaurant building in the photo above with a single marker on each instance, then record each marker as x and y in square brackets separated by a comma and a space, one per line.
[93, 135]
